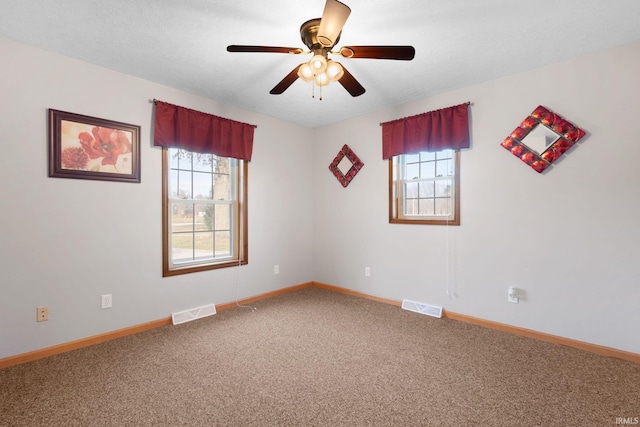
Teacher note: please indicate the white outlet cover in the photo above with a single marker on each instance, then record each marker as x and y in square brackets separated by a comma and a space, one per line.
[106, 301]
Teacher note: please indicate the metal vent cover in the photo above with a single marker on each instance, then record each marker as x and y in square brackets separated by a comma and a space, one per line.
[422, 308]
[193, 314]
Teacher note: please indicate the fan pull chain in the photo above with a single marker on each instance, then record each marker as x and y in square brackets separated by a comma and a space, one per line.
[313, 90]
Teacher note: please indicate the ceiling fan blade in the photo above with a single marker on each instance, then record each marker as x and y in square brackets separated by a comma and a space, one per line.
[404, 53]
[351, 84]
[266, 49]
[333, 18]
[286, 82]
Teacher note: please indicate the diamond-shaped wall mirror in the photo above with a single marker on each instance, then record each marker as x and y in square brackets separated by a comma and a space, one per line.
[542, 138]
[346, 165]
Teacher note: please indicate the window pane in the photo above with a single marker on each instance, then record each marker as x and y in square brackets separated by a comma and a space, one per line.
[444, 168]
[181, 247]
[427, 170]
[203, 162]
[184, 185]
[203, 217]
[223, 217]
[443, 207]
[221, 180]
[444, 154]
[221, 187]
[411, 190]
[202, 185]
[412, 158]
[426, 189]
[182, 218]
[184, 159]
[412, 171]
[203, 245]
[173, 183]
[173, 158]
[426, 207]
[223, 243]
[411, 207]
[425, 155]
[443, 188]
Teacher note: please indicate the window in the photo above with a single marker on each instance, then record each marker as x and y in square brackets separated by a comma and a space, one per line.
[204, 212]
[424, 188]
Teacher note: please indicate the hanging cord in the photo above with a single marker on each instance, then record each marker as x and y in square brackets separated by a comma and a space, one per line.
[448, 274]
[448, 246]
[237, 280]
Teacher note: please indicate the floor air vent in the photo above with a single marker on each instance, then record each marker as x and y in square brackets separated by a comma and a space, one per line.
[418, 307]
[193, 314]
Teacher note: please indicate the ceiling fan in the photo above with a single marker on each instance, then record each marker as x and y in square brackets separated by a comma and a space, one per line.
[320, 35]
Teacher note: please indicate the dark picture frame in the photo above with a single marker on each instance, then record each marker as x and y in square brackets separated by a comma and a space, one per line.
[85, 147]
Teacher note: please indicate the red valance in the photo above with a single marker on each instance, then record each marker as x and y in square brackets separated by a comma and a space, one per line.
[179, 127]
[447, 128]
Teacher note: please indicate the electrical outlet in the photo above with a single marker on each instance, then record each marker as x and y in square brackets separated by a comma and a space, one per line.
[42, 314]
[367, 272]
[105, 301]
[512, 295]
[276, 269]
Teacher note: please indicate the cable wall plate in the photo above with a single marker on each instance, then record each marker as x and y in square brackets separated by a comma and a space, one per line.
[193, 314]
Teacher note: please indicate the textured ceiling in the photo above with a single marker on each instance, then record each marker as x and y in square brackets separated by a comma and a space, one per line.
[182, 43]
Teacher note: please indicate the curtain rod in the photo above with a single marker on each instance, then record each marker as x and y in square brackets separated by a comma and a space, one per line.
[416, 115]
[155, 101]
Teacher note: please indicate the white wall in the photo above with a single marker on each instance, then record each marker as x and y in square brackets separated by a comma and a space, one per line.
[64, 242]
[569, 238]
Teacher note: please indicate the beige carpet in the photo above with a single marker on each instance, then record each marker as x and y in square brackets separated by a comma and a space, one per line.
[319, 358]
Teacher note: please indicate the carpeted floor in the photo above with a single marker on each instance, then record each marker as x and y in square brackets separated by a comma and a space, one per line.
[319, 358]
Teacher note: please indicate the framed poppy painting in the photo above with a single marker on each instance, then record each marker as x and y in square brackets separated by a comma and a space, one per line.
[86, 147]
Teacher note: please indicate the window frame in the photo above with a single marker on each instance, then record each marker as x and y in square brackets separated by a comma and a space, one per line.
[395, 201]
[240, 234]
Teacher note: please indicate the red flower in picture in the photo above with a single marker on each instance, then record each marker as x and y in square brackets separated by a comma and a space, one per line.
[106, 143]
[74, 158]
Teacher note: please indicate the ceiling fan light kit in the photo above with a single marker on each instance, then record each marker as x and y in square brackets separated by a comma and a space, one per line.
[334, 70]
[305, 72]
[320, 35]
[318, 64]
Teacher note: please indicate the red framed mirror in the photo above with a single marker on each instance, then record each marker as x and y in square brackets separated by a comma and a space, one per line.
[542, 138]
[346, 165]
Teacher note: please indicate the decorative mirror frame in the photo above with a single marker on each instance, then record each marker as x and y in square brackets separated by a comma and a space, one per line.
[356, 165]
[568, 135]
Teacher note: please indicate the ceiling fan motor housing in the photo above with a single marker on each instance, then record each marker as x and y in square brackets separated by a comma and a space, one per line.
[309, 36]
